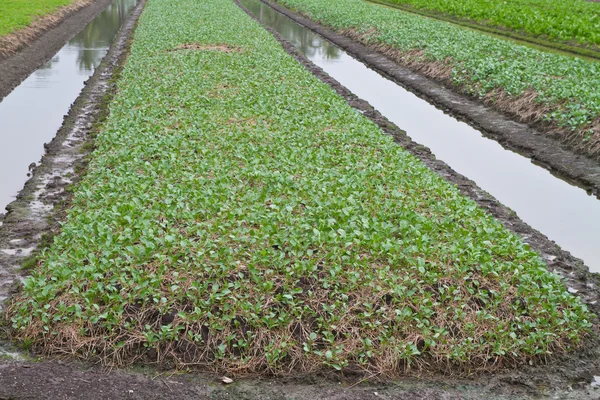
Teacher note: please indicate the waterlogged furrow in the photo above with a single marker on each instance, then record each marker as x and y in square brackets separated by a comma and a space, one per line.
[238, 214]
[532, 85]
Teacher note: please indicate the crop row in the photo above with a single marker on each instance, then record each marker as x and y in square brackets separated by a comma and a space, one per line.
[576, 21]
[532, 85]
[237, 213]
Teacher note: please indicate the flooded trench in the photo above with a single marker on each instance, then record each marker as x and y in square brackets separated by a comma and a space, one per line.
[561, 211]
[33, 112]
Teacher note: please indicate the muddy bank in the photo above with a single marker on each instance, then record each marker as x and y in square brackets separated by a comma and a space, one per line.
[519, 137]
[14, 68]
[14, 41]
[31, 219]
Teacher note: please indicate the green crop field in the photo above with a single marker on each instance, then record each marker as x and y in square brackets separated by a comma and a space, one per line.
[18, 14]
[238, 214]
[533, 85]
[575, 21]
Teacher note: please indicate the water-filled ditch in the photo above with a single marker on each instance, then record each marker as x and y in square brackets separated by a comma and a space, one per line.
[563, 212]
[33, 112]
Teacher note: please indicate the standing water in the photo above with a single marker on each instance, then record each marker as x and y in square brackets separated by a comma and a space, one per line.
[564, 213]
[32, 113]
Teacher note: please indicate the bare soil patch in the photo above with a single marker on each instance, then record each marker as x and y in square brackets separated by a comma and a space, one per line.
[209, 47]
[61, 380]
[549, 146]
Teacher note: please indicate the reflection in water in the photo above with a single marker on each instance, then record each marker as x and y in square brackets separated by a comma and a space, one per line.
[565, 213]
[33, 112]
[308, 43]
[97, 36]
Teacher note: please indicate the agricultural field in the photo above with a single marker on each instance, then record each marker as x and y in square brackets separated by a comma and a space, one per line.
[18, 14]
[576, 22]
[557, 93]
[237, 214]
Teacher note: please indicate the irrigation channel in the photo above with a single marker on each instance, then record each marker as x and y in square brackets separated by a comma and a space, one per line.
[497, 33]
[563, 212]
[33, 112]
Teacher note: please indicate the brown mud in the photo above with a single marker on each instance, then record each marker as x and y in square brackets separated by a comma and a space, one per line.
[42, 46]
[530, 141]
[42, 203]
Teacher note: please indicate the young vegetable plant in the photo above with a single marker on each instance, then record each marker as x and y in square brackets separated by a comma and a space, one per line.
[238, 214]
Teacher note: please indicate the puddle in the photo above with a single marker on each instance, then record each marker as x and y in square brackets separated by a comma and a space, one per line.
[33, 112]
[563, 212]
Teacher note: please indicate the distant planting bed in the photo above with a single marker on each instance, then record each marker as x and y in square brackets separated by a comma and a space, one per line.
[576, 21]
[18, 14]
[557, 93]
[238, 215]
[23, 21]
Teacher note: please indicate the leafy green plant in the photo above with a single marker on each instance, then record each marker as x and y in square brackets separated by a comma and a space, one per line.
[533, 85]
[576, 21]
[18, 14]
[238, 214]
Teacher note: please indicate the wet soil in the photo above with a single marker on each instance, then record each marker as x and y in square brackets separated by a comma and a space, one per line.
[59, 380]
[16, 67]
[519, 137]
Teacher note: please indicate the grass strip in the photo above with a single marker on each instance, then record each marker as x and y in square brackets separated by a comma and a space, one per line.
[22, 21]
[576, 21]
[238, 215]
[18, 14]
[558, 93]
